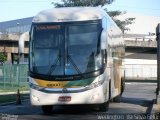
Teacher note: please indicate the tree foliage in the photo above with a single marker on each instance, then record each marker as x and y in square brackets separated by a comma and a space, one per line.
[73, 3]
[3, 57]
[93, 3]
[122, 24]
[15, 57]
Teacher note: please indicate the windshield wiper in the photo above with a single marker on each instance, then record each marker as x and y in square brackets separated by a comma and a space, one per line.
[74, 65]
[53, 67]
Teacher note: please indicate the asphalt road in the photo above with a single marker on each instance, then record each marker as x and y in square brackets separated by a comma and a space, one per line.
[136, 100]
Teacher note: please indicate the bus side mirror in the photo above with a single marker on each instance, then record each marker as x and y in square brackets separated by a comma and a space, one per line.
[104, 54]
[104, 39]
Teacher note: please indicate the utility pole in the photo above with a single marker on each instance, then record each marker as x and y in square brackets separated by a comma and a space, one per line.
[158, 63]
[18, 30]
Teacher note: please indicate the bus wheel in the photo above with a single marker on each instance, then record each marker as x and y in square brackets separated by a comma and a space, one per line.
[109, 97]
[104, 107]
[117, 99]
[122, 85]
[47, 109]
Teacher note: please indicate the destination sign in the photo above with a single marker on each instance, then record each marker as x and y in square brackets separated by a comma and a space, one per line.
[48, 27]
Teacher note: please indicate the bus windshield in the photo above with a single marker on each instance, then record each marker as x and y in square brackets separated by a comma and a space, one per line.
[65, 49]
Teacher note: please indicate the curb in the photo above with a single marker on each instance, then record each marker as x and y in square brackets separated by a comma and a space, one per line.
[155, 108]
[8, 93]
[143, 81]
[155, 112]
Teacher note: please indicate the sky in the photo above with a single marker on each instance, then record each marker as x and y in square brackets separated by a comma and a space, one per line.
[144, 7]
[145, 12]
[16, 9]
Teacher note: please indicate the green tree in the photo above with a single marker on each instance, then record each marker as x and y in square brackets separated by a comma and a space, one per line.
[113, 14]
[15, 57]
[73, 3]
[3, 57]
[121, 23]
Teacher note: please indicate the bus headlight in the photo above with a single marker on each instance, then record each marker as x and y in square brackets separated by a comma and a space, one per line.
[98, 62]
[36, 87]
[95, 84]
[35, 98]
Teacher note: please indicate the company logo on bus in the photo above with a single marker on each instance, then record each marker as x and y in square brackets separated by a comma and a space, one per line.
[64, 90]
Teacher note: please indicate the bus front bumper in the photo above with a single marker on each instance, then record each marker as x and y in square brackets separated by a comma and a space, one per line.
[93, 96]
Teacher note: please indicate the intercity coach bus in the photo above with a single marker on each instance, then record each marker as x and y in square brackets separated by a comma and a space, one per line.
[75, 57]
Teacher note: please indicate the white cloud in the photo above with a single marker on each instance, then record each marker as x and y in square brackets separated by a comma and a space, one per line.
[143, 24]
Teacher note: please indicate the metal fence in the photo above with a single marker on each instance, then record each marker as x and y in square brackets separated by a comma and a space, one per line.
[141, 72]
[13, 76]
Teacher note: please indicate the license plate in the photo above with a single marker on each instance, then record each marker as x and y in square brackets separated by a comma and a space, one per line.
[64, 98]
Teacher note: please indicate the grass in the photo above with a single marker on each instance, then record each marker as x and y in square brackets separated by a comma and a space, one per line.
[13, 88]
[12, 98]
[4, 90]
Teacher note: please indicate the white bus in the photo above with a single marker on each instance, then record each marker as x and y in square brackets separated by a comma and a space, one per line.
[75, 57]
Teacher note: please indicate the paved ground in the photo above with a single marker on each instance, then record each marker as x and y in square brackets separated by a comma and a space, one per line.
[136, 101]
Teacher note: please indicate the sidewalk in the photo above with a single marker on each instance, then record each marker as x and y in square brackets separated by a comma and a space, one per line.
[156, 111]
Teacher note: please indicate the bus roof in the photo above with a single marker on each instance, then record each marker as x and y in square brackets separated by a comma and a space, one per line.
[68, 14]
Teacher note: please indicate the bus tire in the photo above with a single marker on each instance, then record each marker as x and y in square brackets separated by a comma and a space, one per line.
[109, 96]
[104, 107]
[117, 99]
[122, 85]
[47, 109]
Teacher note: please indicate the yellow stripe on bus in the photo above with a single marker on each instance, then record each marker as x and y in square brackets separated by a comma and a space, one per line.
[51, 84]
[64, 84]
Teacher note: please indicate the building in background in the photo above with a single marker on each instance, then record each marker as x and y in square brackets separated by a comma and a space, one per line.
[16, 26]
[141, 61]
[10, 32]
